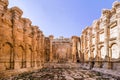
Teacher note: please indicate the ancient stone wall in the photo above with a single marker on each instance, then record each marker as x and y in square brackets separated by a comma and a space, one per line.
[21, 44]
[100, 42]
[61, 50]
[24, 46]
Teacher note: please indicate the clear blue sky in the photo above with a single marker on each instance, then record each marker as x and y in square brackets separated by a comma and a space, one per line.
[62, 17]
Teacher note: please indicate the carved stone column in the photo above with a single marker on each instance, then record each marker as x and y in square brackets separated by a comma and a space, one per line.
[43, 49]
[39, 49]
[34, 43]
[17, 13]
[83, 46]
[106, 19]
[90, 42]
[27, 25]
[96, 24]
[51, 52]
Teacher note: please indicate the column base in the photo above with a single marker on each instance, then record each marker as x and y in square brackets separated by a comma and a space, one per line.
[107, 65]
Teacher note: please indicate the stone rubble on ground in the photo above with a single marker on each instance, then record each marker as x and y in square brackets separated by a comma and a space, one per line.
[60, 72]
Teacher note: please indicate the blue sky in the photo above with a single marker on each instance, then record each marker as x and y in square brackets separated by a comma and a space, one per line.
[62, 17]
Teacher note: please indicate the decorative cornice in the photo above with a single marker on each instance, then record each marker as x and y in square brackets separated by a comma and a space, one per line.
[113, 24]
[116, 4]
[112, 39]
[17, 10]
[27, 21]
[101, 31]
[4, 2]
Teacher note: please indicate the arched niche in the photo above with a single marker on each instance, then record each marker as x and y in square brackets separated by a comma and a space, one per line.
[19, 56]
[114, 51]
[102, 52]
[6, 55]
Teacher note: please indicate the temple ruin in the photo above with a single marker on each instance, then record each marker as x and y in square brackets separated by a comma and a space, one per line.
[24, 47]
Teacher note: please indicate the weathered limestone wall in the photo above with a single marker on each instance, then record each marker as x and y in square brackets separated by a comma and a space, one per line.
[21, 44]
[100, 42]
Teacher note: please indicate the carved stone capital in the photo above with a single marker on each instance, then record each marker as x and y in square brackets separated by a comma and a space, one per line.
[106, 13]
[27, 23]
[113, 11]
[51, 37]
[96, 24]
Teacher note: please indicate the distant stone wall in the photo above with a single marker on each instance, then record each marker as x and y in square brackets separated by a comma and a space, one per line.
[21, 44]
[61, 50]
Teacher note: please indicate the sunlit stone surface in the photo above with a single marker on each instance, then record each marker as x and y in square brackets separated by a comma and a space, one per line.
[25, 53]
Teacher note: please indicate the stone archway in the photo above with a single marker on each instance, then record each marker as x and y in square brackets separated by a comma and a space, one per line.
[114, 51]
[7, 55]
